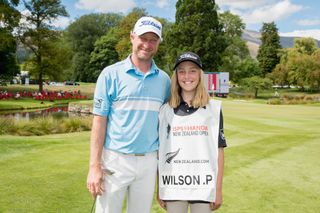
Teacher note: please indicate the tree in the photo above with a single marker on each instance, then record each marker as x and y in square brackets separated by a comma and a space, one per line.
[299, 65]
[233, 56]
[304, 70]
[104, 52]
[246, 68]
[197, 29]
[305, 45]
[256, 84]
[280, 74]
[8, 63]
[82, 35]
[268, 51]
[232, 24]
[314, 75]
[236, 57]
[55, 63]
[37, 33]
[9, 19]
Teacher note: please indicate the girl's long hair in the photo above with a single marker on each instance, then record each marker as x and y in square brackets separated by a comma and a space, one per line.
[201, 97]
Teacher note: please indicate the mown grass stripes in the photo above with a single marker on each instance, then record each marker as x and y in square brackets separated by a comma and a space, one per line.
[271, 164]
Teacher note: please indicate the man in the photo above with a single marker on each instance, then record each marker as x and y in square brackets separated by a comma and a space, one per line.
[124, 137]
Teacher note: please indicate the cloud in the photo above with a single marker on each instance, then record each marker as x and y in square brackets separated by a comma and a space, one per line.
[269, 13]
[241, 4]
[309, 22]
[315, 33]
[24, 14]
[105, 6]
[162, 3]
[259, 11]
[61, 22]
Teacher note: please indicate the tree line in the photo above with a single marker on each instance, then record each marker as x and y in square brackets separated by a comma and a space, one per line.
[94, 41]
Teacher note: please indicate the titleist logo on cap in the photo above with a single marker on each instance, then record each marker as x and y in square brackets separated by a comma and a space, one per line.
[188, 55]
[148, 22]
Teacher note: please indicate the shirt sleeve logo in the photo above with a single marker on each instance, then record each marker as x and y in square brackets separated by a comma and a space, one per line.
[98, 103]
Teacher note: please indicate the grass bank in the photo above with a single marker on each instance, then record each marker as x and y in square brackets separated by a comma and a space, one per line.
[27, 104]
[271, 164]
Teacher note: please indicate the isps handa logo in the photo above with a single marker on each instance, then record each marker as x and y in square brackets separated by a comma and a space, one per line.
[171, 155]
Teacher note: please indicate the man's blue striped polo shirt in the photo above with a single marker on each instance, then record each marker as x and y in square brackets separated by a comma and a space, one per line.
[131, 101]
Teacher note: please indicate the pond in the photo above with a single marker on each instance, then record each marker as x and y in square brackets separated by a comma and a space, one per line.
[56, 112]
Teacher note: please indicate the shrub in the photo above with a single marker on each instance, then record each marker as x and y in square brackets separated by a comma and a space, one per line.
[274, 101]
[6, 125]
[76, 124]
[44, 126]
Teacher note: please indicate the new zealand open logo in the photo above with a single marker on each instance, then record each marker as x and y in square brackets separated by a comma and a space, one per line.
[171, 155]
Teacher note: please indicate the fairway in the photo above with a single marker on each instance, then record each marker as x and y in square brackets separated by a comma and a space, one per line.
[271, 164]
[272, 158]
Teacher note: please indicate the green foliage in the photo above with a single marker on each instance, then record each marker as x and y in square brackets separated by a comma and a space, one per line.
[9, 18]
[6, 125]
[83, 32]
[82, 35]
[104, 53]
[268, 51]
[299, 65]
[236, 58]
[255, 84]
[305, 45]
[280, 75]
[232, 24]
[245, 68]
[115, 45]
[37, 33]
[56, 60]
[8, 63]
[197, 29]
[9, 15]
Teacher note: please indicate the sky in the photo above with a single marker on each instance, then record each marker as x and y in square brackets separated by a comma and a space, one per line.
[299, 18]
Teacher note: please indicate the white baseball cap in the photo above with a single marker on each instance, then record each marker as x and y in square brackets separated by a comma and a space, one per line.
[148, 24]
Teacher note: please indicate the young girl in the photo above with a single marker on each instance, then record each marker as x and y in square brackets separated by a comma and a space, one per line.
[191, 155]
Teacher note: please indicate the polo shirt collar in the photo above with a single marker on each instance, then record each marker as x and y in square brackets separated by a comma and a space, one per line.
[129, 67]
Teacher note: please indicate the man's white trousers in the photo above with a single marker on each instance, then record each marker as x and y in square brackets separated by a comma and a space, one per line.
[127, 173]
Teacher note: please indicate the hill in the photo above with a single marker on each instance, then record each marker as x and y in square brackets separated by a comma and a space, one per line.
[253, 41]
